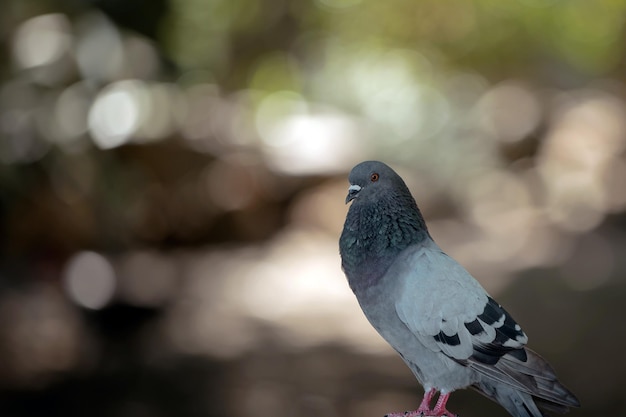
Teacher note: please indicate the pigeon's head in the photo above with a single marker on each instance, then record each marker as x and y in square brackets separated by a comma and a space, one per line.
[372, 180]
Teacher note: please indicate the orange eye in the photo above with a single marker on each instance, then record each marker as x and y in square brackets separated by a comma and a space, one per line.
[374, 177]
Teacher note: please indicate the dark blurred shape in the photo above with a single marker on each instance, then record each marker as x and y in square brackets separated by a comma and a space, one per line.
[143, 16]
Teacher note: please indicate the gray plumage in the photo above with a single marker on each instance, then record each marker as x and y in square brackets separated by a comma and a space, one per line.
[439, 319]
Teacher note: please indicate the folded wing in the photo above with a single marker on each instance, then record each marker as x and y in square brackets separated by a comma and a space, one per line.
[453, 314]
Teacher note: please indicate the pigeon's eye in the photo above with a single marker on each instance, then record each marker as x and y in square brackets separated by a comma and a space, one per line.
[374, 177]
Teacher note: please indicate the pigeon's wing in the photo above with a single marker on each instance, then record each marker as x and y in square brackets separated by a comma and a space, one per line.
[448, 310]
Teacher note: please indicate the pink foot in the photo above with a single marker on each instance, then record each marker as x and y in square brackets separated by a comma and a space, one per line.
[424, 409]
[440, 407]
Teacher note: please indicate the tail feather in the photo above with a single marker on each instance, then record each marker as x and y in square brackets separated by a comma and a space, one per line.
[551, 406]
[517, 403]
[524, 387]
[539, 377]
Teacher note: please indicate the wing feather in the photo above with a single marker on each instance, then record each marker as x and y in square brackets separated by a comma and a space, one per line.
[452, 309]
[448, 311]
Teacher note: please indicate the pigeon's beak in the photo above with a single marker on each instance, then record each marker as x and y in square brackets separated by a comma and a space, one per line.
[353, 190]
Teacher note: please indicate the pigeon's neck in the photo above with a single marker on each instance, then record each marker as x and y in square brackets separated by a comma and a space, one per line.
[374, 234]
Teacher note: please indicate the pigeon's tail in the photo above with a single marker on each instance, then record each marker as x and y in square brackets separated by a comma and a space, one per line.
[525, 385]
[517, 403]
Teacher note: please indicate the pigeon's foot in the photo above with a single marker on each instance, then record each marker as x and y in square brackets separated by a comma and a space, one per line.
[424, 409]
[440, 407]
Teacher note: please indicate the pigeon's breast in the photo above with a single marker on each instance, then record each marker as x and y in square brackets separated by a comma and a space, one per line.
[372, 238]
[365, 259]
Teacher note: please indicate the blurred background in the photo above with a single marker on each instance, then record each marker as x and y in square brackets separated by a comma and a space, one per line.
[173, 172]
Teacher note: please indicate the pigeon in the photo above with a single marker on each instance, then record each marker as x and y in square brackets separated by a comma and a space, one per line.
[447, 329]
